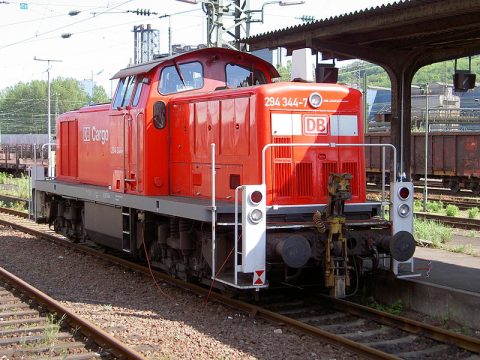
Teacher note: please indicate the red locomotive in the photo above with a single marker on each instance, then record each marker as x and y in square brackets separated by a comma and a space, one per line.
[213, 171]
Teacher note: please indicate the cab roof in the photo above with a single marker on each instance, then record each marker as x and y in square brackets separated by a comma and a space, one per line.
[148, 66]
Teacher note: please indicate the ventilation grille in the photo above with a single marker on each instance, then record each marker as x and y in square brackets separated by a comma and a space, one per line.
[351, 168]
[282, 152]
[327, 169]
[303, 174]
[283, 179]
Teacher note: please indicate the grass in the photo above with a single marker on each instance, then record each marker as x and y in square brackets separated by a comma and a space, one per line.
[52, 330]
[472, 233]
[20, 186]
[451, 210]
[397, 308]
[473, 213]
[463, 249]
[433, 232]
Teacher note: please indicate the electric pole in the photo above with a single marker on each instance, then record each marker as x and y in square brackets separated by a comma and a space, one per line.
[49, 125]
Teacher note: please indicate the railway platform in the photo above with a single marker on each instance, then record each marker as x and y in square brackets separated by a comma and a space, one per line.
[448, 286]
[454, 270]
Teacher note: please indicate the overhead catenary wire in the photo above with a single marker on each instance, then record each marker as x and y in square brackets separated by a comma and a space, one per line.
[64, 26]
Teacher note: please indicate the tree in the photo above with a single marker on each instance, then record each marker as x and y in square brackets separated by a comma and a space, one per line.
[99, 95]
[376, 76]
[23, 107]
[285, 71]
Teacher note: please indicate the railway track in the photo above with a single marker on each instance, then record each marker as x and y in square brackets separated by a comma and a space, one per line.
[463, 203]
[33, 326]
[372, 333]
[435, 192]
[368, 332]
[459, 223]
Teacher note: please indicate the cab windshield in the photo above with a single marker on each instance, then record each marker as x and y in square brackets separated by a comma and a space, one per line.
[181, 77]
[241, 76]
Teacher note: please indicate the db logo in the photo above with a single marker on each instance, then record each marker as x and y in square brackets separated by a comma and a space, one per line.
[314, 125]
[86, 133]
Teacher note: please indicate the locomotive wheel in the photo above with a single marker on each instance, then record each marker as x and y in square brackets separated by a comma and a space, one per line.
[475, 187]
[454, 187]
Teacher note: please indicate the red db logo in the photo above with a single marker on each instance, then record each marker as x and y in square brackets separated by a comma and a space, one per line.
[314, 125]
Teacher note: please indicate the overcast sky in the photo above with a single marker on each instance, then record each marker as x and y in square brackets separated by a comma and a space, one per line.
[101, 40]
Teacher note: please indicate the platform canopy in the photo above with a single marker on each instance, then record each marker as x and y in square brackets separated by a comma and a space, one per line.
[401, 37]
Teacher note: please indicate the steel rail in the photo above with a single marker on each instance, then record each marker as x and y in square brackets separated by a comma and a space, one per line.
[412, 326]
[100, 337]
[461, 223]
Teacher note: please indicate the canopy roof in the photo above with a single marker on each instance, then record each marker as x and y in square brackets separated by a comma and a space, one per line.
[440, 29]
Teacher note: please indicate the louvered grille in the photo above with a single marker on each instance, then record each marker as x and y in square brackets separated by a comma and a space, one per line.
[283, 176]
[282, 152]
[303, 177]
[351, 168]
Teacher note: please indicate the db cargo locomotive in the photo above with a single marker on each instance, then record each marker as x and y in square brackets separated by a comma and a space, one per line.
[216, 173]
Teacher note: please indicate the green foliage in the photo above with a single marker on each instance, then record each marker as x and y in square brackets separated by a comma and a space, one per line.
[434, 206]
[473, 213]
[417, 205]
[285, 71]
[376, 76]
[452, 210]
[24, 107]
[6, 178]
[19, 187]
[433, 232]
[464, 249]
[397, 308]
[472, 233]
[52, 330]
[99, 95]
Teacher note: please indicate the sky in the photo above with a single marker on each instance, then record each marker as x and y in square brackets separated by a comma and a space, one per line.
[101, 36]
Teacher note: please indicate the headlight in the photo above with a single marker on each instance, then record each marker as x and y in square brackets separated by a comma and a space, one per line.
[315, 100]
[403, 210]
[404, 193]
[255, 216]
[256, 197]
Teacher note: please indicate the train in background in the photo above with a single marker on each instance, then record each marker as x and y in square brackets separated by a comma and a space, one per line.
[18, 152]
[215, 173]
[453, 157]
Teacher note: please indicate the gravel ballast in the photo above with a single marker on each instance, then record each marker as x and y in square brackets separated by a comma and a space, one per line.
[165, 323]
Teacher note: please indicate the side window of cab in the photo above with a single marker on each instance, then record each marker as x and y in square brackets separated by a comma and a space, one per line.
[124, 92]
[141, 84]
[181, 77]
[242, 76]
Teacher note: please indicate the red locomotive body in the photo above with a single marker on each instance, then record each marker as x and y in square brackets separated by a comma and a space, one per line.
[185, 136]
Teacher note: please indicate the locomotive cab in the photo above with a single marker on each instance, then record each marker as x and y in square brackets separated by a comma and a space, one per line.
[219, 174]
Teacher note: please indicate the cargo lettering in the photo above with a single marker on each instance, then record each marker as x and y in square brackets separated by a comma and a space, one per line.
[314, 125]
[94, 134]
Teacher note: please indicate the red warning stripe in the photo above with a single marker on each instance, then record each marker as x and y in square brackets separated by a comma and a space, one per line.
[258, 275]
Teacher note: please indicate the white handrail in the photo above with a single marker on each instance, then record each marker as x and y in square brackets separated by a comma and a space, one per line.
[267, 146]
[383, 146]
[214, 210]
[50, 167]
[235, 234]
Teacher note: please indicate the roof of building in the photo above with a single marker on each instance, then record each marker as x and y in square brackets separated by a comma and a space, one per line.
[443, 28]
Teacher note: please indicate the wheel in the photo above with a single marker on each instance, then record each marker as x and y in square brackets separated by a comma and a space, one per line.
[475, 187]
[454, 187]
